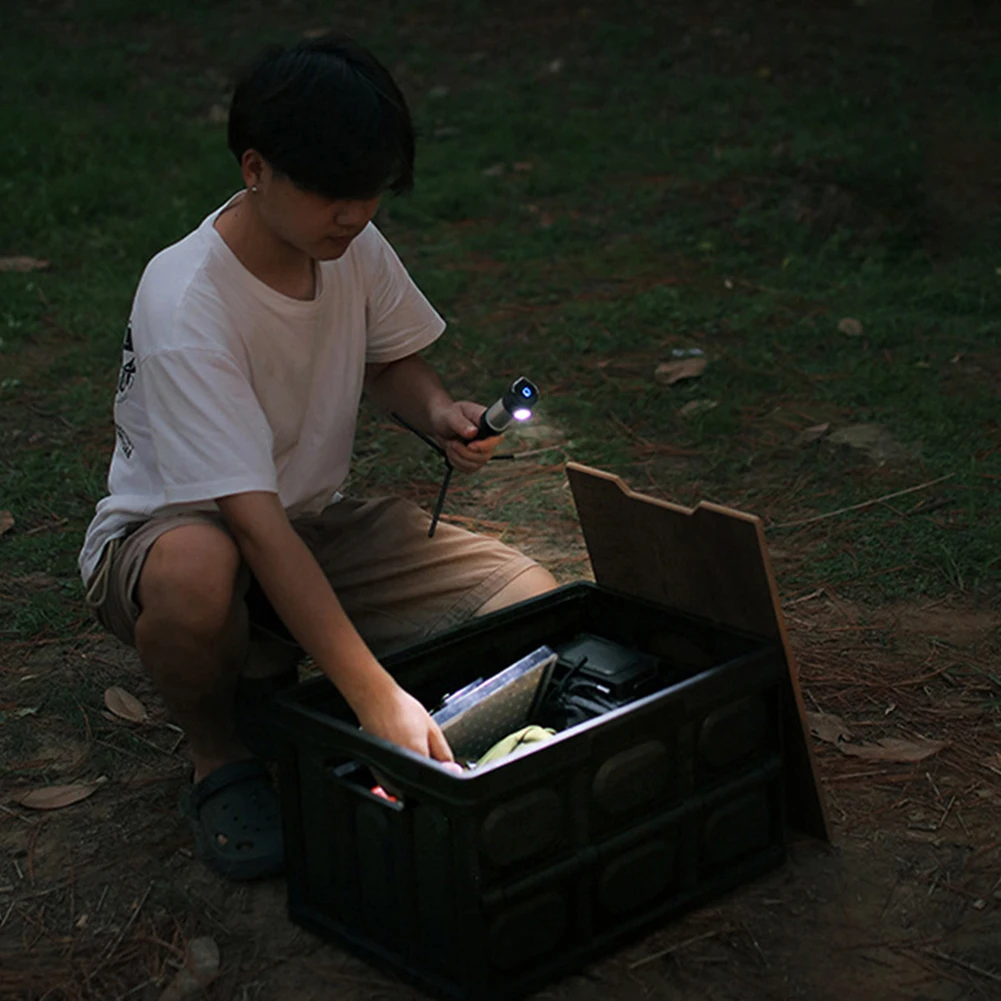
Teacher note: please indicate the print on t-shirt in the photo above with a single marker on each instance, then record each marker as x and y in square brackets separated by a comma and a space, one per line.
[124, 441]
[127, 373]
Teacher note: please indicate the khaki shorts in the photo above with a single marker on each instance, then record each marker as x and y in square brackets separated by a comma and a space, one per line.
[396, 584]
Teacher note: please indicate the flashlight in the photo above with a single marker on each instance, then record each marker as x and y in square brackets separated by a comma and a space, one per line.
[515, 405]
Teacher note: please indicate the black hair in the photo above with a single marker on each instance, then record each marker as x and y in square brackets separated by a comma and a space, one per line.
[326, 114]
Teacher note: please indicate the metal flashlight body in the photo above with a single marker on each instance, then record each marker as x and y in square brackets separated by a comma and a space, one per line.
[515, 405]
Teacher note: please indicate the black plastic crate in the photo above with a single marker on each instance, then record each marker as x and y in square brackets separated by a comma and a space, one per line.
[483, 886]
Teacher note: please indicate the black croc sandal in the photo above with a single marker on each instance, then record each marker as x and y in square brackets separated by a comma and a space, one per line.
[236, 819]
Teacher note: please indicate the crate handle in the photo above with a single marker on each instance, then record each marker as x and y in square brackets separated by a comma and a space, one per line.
[378, 794]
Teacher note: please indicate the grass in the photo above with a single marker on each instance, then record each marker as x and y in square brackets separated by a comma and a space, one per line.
[595, 188]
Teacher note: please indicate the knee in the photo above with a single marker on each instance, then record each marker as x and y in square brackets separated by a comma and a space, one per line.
[534, 581]
[188, 580]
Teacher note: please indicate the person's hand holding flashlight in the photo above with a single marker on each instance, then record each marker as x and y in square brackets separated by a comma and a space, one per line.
[467, 434]
[455, 426]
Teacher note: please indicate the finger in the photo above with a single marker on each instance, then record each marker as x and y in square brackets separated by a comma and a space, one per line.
[460, 424]
[381, 780]
[474, 411]
[463, 460]
[482, 448]
[437, 743]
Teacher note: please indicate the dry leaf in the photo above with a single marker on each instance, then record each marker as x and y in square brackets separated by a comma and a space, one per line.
[6, 521]
[203, 957]
[495, 171]
[125, 705]
[873, 439]
[695, 407]
[56, 797]
[521, 166]
[828, 727]
[22, 264]
[894, 749]
[850, 326]
[670, 372]
[201, 966]
[810, 435]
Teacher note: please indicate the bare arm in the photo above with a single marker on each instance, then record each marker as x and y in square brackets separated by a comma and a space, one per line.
[303, 597]
[411, 387]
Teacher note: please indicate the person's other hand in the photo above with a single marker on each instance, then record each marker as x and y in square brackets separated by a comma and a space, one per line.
[398, 717]
[454, 425]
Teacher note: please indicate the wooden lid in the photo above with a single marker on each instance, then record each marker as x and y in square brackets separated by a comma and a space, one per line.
[709, 561]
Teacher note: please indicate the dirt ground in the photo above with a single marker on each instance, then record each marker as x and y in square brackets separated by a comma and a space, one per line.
[99, 899]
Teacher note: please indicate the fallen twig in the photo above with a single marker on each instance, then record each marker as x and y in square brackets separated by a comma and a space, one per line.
[14, 813]
[120, 750]
[935, 971]
[534, 451]
[886, 943]
[46, 527]
[137, 988]
[805, 597]
[923, 678]
[673, 948]
[962, 964]
[864, 504]
[946, 813]
[135, 736]
[110, 951]
[754, 942]
[895, 776]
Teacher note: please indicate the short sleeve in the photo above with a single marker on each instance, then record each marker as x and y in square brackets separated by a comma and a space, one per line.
[209, 434]
[399, 319]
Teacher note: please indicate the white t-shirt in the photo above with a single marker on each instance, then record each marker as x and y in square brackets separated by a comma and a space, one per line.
[228, 386]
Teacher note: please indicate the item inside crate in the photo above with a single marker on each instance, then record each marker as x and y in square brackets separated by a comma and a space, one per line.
[477, 716]
[554, 688]
[593, 676]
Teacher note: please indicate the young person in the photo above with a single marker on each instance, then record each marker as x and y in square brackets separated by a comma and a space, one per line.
[249, 345]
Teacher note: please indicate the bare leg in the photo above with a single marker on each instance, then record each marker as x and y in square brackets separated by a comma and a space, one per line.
[538, 580]
[192, 637]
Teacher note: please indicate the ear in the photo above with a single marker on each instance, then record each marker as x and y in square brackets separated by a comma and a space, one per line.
[254, 168]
